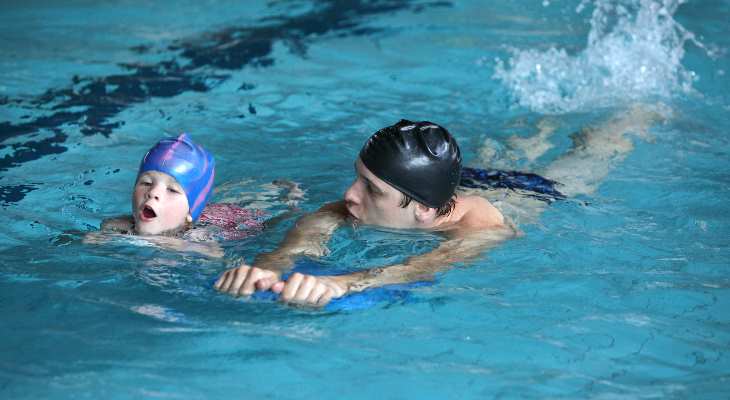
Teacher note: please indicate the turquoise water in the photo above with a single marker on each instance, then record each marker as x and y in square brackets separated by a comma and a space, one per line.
[622, 293]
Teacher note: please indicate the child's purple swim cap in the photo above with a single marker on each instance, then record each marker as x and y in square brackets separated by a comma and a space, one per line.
[189, 163]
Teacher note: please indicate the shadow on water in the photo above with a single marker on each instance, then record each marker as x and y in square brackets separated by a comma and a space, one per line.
[90, 103]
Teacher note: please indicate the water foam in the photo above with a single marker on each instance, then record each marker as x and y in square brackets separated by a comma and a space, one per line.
[634, 52]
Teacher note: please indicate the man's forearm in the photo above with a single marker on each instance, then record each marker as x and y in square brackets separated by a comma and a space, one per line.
[308, 237]
[425, 266]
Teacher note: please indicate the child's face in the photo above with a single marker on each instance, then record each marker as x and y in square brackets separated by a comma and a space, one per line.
[159, 204]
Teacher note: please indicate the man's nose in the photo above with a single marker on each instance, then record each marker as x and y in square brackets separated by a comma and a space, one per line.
[352, 195]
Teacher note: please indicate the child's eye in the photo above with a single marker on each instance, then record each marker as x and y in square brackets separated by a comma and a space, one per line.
[145, 183]
[173, 190]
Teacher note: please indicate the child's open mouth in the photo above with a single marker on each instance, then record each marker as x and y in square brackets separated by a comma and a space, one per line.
[148, 212]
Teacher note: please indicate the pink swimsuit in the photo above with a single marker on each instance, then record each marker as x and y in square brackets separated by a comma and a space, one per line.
[231, 222]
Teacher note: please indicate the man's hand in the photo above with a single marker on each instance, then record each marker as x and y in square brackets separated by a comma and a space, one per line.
[244, 280]
[310, 290]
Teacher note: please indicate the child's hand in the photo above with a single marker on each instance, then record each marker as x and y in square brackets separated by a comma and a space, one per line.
[294, 194]
[244, 280]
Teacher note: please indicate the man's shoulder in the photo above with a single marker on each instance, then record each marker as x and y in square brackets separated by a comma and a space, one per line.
[478, 213]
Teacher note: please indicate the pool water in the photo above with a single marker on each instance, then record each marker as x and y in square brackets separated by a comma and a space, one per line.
[620, 293]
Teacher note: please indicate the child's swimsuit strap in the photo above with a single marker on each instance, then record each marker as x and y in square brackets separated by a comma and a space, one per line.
[536, 186]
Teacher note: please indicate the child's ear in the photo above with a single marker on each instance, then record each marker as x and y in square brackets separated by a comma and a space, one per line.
[189, 218]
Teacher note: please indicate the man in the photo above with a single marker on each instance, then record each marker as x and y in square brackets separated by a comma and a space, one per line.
[407, 176]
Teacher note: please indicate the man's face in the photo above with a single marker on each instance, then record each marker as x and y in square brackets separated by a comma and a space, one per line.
[159, 204]
[374, 202]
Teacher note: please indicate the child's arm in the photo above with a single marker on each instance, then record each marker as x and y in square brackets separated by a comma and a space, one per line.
[122, 224]
[123, 228]
[294, 194]
[209, 248]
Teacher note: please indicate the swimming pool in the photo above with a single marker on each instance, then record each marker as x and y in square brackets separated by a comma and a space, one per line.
[621, 293]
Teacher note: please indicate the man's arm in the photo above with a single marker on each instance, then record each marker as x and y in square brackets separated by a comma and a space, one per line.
[460, 247]
[309, 236]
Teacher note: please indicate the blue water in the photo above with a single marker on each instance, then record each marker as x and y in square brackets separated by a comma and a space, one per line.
[623, 293]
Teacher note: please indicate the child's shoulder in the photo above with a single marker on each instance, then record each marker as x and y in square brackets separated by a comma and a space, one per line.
[122, 224]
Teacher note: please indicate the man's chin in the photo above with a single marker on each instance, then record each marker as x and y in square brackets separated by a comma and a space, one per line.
[351, 215]
[354, 219]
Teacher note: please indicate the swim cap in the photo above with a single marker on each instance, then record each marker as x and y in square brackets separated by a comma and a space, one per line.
[421, 159]
[189, 163]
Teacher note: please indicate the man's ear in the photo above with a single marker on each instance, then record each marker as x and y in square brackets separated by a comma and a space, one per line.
[423, 213]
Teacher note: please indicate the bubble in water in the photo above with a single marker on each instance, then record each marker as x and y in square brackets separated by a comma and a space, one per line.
[634, 52]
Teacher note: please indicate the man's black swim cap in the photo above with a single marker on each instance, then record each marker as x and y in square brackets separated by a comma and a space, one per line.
[421, 159]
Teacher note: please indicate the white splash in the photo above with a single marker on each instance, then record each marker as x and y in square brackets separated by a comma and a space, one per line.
[634, 52]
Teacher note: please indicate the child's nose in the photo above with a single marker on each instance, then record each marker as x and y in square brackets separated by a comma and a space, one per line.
[154, 192]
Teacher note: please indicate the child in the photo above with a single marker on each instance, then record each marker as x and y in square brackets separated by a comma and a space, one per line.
[173, 186]
[174, 183]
